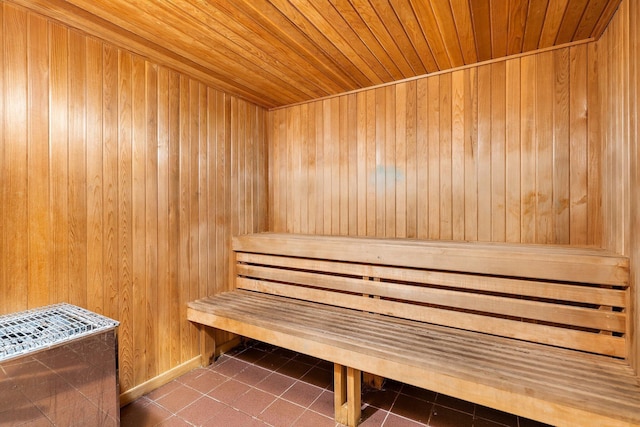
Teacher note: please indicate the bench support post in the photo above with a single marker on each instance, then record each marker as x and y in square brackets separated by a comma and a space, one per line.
[347, 395]
[207, 345]
[373, 381]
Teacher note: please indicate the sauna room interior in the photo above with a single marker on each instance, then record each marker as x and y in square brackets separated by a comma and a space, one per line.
[140, 137]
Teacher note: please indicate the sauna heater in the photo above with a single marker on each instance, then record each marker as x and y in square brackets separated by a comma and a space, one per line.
[58, 367]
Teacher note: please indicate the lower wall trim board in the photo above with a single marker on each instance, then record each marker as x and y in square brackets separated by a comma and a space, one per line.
[170, 375]
[162, 379]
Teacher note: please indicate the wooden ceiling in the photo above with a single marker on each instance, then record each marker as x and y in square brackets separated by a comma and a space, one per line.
[279, 52]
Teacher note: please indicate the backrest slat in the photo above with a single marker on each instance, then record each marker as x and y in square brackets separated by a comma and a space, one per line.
[580, 340]
[584, 265]
[576, 292]
[411, 293]
[428, 281]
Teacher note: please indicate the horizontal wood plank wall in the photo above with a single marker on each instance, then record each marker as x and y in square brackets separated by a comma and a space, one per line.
[116, 187]
[619, 76]
[505, 152]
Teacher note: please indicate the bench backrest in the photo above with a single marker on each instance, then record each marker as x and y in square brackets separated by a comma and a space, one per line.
[557, 295]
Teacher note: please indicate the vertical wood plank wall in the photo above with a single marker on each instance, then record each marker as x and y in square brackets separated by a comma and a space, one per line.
[122, 181]
[121, 184]
[506, 152]
[618, 69]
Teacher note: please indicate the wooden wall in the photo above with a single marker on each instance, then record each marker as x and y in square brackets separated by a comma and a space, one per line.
[541, 148]
[121, 184]
[122, 180]
[619, 76]
[507, 151]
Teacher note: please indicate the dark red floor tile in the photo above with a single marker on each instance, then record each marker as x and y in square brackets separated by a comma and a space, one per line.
[412, 408]
[252, 375]
[232, 417]
[302, 393]
[324, 404]
[442, 416]
[163, 390]
[373, 417]
[272, 361]
[230, 367]
[229, 392]
[396, 421]
[313, 419]
[457, 404]
[318, 377]
[142, 414]
[201, 411]
[254, 402]
[251, 355]
[309, 360]
[419, 393]
[239, 390]
[282, 413]
[174, 421]
[382, 399]
[294, 369]
[179, 398]
[205, 381]
[276, 384]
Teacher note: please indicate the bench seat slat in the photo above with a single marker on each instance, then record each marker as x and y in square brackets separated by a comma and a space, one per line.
[536, 310]
[504, 372]
[401, 336]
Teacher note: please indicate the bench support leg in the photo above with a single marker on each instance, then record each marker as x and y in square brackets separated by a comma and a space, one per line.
[373, 381]
[347, 394]
[207, 345]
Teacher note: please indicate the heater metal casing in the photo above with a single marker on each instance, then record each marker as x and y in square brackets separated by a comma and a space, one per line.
[59, 366]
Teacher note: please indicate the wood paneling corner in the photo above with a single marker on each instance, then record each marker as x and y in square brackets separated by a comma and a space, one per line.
[117, 188]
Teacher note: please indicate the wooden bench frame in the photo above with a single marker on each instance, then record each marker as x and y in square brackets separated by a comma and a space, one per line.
[538, 331]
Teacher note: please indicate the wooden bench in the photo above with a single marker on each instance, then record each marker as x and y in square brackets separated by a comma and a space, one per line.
[538, 331]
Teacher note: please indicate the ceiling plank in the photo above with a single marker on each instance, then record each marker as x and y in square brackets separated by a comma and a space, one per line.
[449, 31]
[429, 26]
[499, 21]
[535, 22]
[605, 18]
[552, 22]
[464, 25]
[79, 18]
[153, 20]
[570, 22]
[263, 47]
[306, 17]
[517, 23]
[394, 37]
[481, 15]
[289, 37]
[349, 22]
[281, 52]
[405, 13]
[590, 18]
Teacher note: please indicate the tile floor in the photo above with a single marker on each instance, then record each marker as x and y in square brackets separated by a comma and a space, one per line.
[263, 385]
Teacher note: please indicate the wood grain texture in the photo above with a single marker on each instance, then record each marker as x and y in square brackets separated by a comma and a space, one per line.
[616, 69]
[498, 153]
[502, 373]
[280, 52]
[116, 187]
[324, 295]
